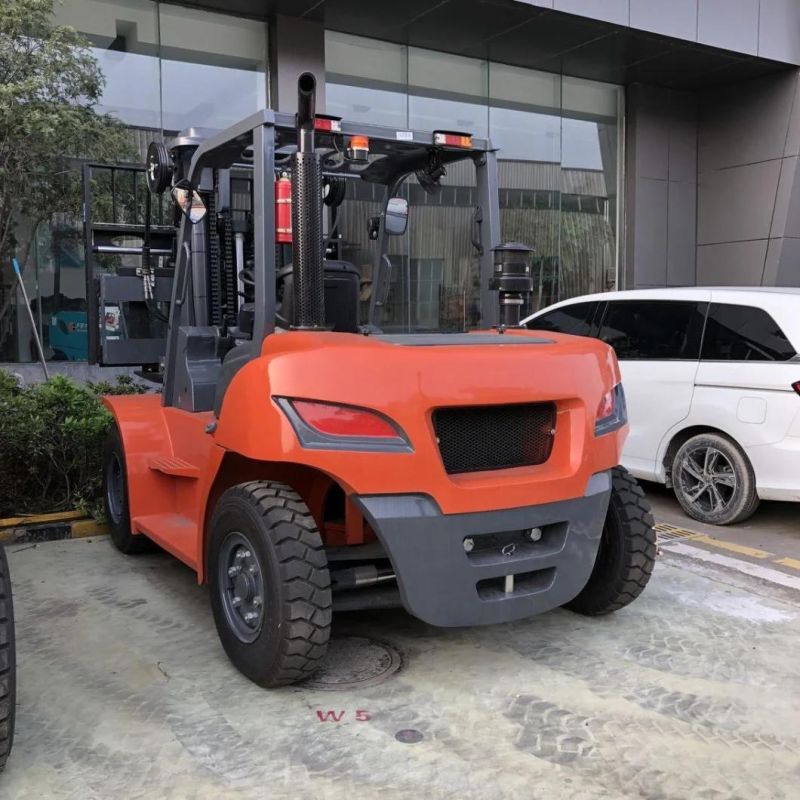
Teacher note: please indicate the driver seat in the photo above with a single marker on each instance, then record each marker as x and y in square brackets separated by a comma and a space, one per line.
[342, 289]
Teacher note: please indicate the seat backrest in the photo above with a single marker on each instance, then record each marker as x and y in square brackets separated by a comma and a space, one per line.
[342, 289]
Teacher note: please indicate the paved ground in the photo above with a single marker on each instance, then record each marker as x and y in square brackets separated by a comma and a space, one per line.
[693, 691]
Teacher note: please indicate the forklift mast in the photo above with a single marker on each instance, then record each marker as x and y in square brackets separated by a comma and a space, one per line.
[217, 323]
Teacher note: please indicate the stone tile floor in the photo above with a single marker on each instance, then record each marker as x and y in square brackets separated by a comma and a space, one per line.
[125, 692]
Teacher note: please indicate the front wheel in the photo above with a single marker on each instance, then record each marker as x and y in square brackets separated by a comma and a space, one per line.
[269, 583]
[627, 551]
[8, 667]
[115, 495]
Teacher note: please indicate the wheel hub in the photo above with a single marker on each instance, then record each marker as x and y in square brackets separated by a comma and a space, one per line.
[241, 587]
[708, 479]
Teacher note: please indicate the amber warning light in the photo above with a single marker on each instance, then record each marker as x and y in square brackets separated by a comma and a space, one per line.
[452, 139]
[358, 149]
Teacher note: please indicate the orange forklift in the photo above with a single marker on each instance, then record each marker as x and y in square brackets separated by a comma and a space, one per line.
[300, 459]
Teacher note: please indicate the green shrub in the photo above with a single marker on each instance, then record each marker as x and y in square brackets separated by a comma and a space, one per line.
[51, 444]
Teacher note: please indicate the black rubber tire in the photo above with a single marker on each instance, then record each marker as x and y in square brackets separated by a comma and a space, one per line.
[627, 551]
[119, 520]
[8, 664]
[293, 637]
[744, 498]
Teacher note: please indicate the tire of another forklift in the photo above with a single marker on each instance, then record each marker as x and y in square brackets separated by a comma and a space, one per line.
[119, 521]
[295, 628]
[627, 551]
[8, 667]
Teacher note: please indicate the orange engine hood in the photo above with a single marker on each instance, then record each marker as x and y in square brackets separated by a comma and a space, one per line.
[407, 378]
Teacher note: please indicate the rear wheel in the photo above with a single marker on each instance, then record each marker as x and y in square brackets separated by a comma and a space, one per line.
[115, 495]
[713, 480]
[269, 583]
[627, 551]
[8, 668]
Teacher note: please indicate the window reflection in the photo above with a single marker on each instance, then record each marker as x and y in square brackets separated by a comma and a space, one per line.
[557, 170]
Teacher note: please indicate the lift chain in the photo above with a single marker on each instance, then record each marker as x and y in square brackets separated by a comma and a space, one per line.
[214, 266]
[229, 268]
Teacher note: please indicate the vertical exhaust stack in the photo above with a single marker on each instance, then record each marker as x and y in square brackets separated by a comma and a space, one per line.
[309, 276]
[512, 281]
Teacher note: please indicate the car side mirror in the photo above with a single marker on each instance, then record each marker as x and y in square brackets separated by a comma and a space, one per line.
[189, 201]
[396, 220]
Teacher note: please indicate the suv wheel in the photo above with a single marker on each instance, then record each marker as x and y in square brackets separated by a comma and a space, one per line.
[713, 480]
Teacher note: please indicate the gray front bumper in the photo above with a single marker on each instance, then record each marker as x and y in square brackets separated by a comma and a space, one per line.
[444, 585]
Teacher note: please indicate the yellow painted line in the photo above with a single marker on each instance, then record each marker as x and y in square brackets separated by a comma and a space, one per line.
[753, 552]
[794, 563]
[39, 519]
[88, 527]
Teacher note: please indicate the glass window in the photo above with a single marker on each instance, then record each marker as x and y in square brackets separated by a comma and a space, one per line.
[447, 73]
[430, 114]
[124, 39]
[577, 319]
[744, 333]
[213, 69]
[653, 329]
[165, 67]
[557, 140]
[362, 104]
[364, 61]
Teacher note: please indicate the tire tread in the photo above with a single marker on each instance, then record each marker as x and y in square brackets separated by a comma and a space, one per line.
[602, 595]
[750, 501]
[306, 598]
[8, 682]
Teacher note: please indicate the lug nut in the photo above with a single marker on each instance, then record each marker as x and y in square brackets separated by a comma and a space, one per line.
[234, 570]
[535, 534]
[236, 601]
[257, 600]
[469, 544]
[250, 616]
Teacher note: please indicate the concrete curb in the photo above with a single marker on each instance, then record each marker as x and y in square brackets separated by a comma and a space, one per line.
[49, 528]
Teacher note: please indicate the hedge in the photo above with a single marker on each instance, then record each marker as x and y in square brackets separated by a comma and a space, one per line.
[51, 444]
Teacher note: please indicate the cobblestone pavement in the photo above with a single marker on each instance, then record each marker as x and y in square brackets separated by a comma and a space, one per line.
[693, 691]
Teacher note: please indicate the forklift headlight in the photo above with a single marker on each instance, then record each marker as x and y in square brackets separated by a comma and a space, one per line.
[612, 412]
[335, 426]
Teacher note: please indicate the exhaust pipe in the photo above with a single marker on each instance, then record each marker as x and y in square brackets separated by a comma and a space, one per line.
[309, 275]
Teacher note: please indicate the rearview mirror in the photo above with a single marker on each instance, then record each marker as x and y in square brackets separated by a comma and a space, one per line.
[396, 220]
[189, 201]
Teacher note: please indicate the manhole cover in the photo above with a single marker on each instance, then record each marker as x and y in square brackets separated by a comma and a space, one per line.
[409, 736]
[353, 662]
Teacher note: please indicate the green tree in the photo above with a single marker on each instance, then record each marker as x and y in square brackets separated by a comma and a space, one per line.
[49, 87]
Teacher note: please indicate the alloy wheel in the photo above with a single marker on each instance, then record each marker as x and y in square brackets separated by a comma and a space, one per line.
[707, 479]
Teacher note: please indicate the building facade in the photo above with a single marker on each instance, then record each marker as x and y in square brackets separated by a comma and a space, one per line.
[641, 143]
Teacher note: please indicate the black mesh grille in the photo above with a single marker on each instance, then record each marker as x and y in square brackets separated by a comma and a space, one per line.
[475, 438]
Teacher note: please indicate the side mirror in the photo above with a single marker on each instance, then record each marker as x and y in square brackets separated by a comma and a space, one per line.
[396, 220]
[189, 201]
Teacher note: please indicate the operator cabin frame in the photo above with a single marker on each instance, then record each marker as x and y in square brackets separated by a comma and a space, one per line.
[195, 378]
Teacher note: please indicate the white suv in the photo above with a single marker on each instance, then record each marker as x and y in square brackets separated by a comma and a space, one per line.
[712, 380]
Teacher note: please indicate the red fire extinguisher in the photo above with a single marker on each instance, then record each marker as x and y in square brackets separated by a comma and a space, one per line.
[283, 209]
